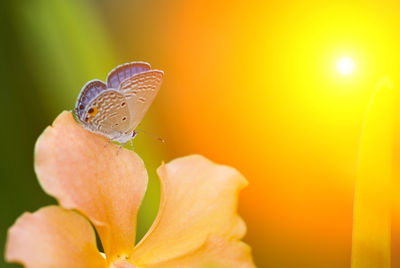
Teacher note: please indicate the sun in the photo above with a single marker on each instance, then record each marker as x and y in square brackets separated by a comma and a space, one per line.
[345, 66]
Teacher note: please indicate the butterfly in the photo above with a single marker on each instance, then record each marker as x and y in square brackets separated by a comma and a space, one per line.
[115, 108]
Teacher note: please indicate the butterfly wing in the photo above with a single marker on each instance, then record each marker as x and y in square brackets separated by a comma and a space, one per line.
[90, 90]
[140, 91]
[124, 71]
[108, 114]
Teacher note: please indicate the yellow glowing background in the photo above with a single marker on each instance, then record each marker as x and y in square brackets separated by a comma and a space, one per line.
[345, 66]
[252, 84]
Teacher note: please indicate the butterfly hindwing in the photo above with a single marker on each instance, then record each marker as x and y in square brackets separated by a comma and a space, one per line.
[89, 91]
[124, 71]
[108, 113]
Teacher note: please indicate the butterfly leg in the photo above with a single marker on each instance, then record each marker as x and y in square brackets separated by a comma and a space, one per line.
[120, 147]
[131, 145]
[111, 139]
[105, 145]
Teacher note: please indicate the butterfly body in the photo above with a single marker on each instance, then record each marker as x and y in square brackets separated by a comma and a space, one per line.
[115, 108]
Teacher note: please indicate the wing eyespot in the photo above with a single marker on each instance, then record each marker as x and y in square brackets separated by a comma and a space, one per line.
[93, 111]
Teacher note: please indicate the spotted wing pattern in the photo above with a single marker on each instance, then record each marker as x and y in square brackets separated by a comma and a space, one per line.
[90, 90]
[108, 114]
[124, 71]
[140, 91]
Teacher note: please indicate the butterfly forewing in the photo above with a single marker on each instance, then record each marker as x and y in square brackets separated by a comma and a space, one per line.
[108, 113]
[90, 90]
[124, 71]
[140, 91]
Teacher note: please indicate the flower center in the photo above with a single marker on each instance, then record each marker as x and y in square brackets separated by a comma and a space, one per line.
[122, 264]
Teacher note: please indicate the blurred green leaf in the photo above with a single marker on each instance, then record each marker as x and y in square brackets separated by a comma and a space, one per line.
[49, 50]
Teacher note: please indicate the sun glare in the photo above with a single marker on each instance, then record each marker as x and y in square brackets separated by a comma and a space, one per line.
[345, 66]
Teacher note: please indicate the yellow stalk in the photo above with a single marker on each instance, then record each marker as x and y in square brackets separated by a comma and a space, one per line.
[372, 201]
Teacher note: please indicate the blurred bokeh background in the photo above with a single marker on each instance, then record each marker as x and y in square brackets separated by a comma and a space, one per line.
[252, 84]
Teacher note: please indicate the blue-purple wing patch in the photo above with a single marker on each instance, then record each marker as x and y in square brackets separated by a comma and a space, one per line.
[89, 91]
[124, 71]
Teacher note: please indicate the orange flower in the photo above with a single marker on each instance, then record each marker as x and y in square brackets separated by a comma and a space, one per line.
[196, 226]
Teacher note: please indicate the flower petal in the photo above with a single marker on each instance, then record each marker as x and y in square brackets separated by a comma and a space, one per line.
[53, 237]
[216, 252]
[76, 167]
[199, 198]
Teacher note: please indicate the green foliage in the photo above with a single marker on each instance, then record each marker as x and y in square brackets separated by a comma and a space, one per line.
[49, 49]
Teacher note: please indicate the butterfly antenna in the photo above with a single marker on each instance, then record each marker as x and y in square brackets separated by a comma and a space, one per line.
[151, 135]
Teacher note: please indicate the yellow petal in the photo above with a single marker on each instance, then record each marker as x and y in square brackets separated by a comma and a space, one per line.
[217, 252]
[199, 198]
[76, 167]
[53, 237]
